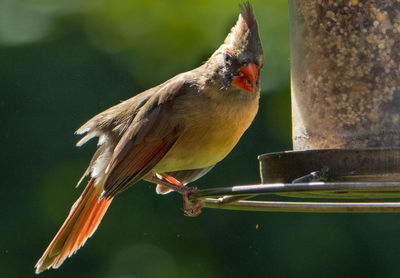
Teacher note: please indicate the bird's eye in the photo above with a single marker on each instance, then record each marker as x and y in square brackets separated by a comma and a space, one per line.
[245, 62]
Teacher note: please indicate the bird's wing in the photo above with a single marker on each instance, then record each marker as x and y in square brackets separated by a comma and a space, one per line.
[148, 138]
[114, 121]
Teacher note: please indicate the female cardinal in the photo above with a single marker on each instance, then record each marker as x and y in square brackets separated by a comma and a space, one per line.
[171, 134]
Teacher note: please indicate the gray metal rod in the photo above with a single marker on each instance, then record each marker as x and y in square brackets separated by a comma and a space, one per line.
[332, 189]
[317, 207]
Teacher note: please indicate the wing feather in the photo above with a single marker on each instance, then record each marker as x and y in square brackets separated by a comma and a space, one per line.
[145, 142]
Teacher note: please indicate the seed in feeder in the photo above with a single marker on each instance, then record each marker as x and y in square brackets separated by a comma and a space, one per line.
[353, 2]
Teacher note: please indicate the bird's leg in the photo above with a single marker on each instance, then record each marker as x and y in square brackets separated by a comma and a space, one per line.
[191, 208]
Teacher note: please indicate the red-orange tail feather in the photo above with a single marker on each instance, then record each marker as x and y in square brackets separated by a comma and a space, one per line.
[82, 221]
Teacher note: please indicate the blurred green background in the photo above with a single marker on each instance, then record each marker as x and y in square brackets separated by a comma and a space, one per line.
[63, 61]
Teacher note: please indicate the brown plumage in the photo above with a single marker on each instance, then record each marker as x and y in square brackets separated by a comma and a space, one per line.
[171, 134]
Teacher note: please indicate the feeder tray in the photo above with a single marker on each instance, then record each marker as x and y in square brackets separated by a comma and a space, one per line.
[330, 173]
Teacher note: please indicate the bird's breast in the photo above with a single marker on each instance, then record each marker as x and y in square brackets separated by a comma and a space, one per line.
[212, 129]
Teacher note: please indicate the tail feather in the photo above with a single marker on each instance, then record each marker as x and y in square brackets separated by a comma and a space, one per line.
[81, 223]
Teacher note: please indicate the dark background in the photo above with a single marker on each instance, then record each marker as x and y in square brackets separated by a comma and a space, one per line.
[61, 62]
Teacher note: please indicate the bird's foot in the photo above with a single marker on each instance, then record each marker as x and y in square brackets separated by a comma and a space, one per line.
[190, 208]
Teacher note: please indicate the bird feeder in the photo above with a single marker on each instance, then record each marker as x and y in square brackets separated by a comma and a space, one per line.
[345, 88]
[345, 61]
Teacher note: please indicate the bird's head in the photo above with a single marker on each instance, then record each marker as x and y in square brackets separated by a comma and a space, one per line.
[240, 58]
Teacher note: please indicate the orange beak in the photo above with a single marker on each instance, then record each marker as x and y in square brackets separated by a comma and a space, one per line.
[247, 78]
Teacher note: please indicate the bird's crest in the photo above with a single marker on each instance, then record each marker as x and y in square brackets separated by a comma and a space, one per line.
[244, 35]
[246, 11]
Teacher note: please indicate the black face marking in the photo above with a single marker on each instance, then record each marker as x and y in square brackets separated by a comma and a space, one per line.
[232, 63]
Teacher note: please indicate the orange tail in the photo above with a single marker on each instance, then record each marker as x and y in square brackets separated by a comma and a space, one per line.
[82, 221]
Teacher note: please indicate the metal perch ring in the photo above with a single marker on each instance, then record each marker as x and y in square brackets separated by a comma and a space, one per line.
[232, 197]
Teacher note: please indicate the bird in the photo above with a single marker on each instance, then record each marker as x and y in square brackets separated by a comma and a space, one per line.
[170, 135]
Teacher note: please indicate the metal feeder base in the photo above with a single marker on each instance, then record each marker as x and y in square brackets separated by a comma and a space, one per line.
[333, 165]
[330, 173]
